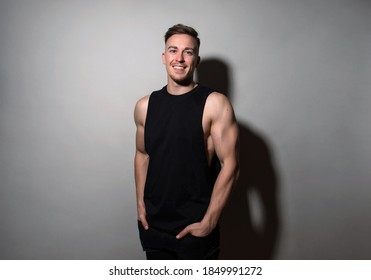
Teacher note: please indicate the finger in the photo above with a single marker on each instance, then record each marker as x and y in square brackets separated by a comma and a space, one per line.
[144, 222]
[183, 233]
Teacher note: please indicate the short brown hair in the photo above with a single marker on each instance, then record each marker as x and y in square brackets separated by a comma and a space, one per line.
[182, 29]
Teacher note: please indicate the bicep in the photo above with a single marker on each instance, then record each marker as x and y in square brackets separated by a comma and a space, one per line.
[226, 143]
[139, 140]
[224, 131]
[140, 113]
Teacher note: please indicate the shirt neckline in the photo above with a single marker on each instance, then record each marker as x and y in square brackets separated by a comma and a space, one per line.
[183, 94]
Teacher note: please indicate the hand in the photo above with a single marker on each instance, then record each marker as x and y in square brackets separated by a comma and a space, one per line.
[200, 229]
[142, 216]
[144, 222]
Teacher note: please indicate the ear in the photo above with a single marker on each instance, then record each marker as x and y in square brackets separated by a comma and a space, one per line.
[163, 58]
[198, 61]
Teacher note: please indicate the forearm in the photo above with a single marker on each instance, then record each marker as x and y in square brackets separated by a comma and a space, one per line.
[222, 188]
[140, 168]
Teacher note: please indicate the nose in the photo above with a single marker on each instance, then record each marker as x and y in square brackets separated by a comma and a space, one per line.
[180, 57]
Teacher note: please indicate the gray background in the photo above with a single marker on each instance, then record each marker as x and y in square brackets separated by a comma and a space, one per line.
[297, 72]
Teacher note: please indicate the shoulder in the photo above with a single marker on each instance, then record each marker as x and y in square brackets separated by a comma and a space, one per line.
[217, 99]
[140, 110]
[218, 104]
[143, 102]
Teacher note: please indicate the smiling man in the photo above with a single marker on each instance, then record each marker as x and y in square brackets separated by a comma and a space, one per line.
[186, 159]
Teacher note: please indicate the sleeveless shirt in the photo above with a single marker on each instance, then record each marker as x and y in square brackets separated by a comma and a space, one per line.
[179, 179]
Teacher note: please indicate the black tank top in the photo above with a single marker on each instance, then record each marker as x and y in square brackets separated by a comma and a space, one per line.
[179, 179]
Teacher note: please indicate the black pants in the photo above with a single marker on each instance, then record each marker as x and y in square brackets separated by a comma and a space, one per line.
[168, 255]
[160, 245]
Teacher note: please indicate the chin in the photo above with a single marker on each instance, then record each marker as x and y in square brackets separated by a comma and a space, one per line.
[183, 81]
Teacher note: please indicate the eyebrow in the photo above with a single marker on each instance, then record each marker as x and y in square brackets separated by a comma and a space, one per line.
[186, 49]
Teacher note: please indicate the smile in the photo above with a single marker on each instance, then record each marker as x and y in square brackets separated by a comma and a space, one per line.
[179, 67]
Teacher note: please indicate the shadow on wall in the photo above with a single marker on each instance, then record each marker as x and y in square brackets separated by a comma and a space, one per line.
[250, 222]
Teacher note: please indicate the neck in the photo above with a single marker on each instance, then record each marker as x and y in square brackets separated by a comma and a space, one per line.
[178, 89]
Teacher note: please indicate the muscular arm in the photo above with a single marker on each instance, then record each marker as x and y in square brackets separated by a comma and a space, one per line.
[224, 136]
[141, 158]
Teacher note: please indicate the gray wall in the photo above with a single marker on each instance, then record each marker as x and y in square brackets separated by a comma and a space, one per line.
[297, 72]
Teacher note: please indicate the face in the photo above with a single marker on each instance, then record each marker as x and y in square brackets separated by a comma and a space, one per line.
[181, 58]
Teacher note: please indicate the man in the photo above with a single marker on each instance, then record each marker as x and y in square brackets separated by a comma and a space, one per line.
[182, 131]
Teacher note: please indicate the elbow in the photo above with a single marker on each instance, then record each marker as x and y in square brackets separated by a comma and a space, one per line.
[232, 168]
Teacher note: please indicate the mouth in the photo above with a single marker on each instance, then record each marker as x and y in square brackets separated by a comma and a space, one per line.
[179, 67]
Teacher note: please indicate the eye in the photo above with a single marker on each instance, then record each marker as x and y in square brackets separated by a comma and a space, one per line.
[172, 51]
[190, 53]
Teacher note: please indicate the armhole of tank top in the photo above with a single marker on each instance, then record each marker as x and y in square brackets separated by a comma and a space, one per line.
[202, 127]
[145, 121]
[148, 104]
[204, 105]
